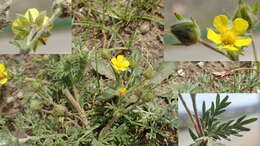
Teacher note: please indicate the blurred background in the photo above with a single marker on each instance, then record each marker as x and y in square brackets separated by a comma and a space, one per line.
[241, 104]
[61, 36]
[203, 11]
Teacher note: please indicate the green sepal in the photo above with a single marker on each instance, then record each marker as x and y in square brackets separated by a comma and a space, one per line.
[40, 19]
[30, 17]
[23, 20]
[186, 31]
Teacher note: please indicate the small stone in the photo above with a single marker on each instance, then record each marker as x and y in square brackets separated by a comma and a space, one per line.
[181, 72]
[145, 28]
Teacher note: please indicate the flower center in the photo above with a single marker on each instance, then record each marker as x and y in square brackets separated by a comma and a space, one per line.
[228, 37]
[2, 76]
[119, 65]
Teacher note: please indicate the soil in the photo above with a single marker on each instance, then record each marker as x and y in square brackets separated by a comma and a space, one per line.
[149, 36]
[216, 70]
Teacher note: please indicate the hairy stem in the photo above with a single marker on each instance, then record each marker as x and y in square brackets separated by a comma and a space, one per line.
[255, 54]
[38, 35]
[77, 106]
[105, 130]
[212, 48]
[189, 113]
[193, 97]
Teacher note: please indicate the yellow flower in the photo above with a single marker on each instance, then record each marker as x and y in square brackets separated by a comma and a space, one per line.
[3, 75]
[34, 13]
[229, 37]
[122, 91]
[23, 24]
[120, 63]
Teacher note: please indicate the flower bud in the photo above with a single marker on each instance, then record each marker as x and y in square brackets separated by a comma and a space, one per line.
[148, 97]
[139, 92]
[106, 54]
[60, 110]
[148, 73]
[186, 31]
[122, 91]
[36, 105]
[249, 14]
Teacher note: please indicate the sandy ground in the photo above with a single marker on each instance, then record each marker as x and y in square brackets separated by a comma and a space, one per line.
[250, 138]
[201, 53]
[59, 43]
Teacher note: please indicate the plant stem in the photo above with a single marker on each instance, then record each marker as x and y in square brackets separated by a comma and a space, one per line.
[193, 97]
[212, 48]
[24, 140]
[105, 131]
[38, 35]
[189, 113]
[77, 106]
[255, 54]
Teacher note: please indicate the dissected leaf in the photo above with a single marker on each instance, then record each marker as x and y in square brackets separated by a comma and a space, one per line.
[101, 66]
[164, 70]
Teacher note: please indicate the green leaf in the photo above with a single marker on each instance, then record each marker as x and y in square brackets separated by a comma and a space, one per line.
[212, 142]
[30, 17]
[192, 134]
[217, 129]
[97, 143]
[241, 118]
[23, 20]
[102, 66]
[7, 139]
[240, 2]
[203, 107]
[107, 95]
[40, 19]
[136, 56]
[212, 109]
[243, 129]
[224, 100]
[179, 16]
[164, 70]
[20, 28]
[218, 99]
[248, 121]
[256, 8]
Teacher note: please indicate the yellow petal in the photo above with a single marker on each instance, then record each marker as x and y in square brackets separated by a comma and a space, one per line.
[244, 42]
[113, 60]
[45, 20]
[15, 24]
[3, 81]
[212, 36]
[122, 91]
[34, 12]
[240, 26]
[220, 22]
[230, 48]
[126, 63]
[120, 58]
[2, 68]
[116, 67]
[122, 69]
